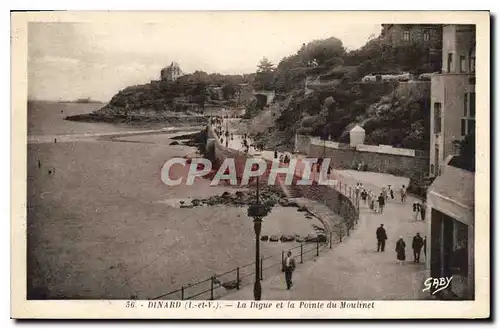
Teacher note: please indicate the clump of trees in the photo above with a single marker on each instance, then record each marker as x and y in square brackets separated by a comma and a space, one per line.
[396, 121]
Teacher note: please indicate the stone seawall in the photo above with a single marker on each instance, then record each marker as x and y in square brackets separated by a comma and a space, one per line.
[338, 202]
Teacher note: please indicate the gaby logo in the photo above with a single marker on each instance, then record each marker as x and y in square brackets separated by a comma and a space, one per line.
[303, 172]
[437, 283]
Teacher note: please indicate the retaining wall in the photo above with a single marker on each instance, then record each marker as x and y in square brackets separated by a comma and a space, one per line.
[382, 158]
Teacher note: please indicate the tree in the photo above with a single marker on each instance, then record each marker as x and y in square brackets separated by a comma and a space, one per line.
[319, 52]
[265, 66]
[264, 78]
[228, 90]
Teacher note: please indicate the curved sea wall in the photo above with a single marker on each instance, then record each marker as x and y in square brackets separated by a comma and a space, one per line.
[336, 198]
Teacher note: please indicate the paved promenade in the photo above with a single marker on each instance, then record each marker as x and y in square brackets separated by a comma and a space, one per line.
[354, 269]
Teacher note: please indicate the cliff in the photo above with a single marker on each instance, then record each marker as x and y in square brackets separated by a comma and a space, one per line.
[322, 92]
[182, 100]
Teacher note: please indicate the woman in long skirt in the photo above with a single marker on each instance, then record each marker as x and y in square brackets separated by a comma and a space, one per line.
[400, 250]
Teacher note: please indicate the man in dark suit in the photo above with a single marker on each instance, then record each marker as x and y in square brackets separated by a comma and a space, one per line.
[288, 268]
[417, 245]
[381, 237]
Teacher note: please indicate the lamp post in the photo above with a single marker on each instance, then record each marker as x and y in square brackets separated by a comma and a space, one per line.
[257, 211]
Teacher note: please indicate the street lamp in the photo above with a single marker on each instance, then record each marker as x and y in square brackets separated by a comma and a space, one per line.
[257, 211]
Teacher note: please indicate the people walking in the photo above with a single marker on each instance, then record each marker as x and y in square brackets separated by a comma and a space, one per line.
[403, 194]
[416, 210]
[417, 245]
[422, 211]
[400, 250]
[288, 268]
[391, 192]
[381, 202]
[364, 196]
[39, 164]
[381, 237]
[357, 190]
[275, 154]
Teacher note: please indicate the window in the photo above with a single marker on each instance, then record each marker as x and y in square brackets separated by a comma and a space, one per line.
[463, 127]
[472, 105]
[406, 35]
[471, 126]
[437, 118]
[427, 35]
[450, 58]
[463, 65]
[436, 159]
[466, 104]
[472, 62]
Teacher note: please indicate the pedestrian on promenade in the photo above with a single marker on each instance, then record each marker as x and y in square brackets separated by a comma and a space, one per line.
[400, 250]
[357, 190]
[417, 245]
[381, 237]
[373, 202]
[275, 154]
[381, 202]
[39, 164]
[403, 194]
[329, 171]
[422, 211]
[288, 268]
[415, 210]
[384, 193]
[391, 192]
[364, 195]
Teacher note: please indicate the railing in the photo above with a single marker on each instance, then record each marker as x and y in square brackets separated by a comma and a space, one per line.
[220, 284]
[217, 285]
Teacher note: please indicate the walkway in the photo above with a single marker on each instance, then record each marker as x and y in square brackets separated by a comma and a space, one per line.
[354, 269]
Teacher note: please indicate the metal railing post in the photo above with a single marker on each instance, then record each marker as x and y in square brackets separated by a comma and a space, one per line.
[317, 247]
[212, 288]
[261, 267]
[182, 293]
[237, 278]
[331, 237]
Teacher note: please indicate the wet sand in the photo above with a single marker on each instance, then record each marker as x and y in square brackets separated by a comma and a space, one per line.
[99, 227]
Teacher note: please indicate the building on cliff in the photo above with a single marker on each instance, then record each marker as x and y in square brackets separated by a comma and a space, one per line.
[398, 35]
[171, 72]
[453, 96]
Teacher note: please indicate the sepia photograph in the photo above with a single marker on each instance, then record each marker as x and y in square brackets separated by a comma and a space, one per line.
[246, 160]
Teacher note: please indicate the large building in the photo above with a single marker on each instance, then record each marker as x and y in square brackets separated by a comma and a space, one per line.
[453, 96]
[171, 72]
[450, 198]
[428, 35]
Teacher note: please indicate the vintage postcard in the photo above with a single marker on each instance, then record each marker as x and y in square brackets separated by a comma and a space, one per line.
[250, 164]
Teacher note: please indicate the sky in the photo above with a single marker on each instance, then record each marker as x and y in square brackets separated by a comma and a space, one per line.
[70, 60]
